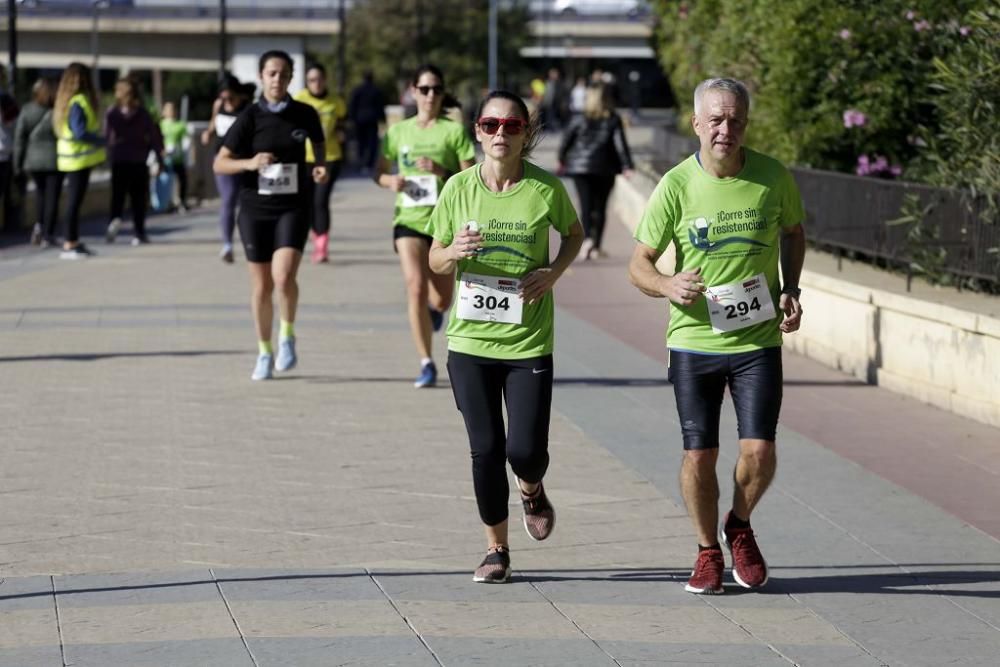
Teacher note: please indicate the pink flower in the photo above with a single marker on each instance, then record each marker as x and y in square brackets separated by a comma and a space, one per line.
[910, 15]
[896, 170]
[844, 34]
[922, 25]
[854, 118]
[965, 31]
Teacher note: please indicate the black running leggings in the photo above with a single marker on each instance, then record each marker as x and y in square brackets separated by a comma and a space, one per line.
[321, 198]
[76, 190]
[132, 179]
[593, 191]
[481, 386]
[48, 186]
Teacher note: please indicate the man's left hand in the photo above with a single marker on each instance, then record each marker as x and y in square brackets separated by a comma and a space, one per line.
[792, 309]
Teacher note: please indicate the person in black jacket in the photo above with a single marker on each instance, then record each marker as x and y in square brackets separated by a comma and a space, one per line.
[593, 152]
[366, 110]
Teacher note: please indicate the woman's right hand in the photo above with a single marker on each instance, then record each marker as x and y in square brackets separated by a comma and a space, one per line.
[261, 160]
[395, 182]
[465, 244]
[206, 137]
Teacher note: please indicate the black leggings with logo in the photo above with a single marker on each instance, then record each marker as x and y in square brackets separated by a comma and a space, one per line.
[481, 387]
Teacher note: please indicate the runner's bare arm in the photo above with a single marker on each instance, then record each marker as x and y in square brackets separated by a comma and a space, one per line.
[227, 163]
[793, 254]
[683, 288]
[384, 179]
[540, 281]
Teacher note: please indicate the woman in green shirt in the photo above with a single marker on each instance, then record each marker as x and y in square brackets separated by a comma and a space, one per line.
[492, 224]
[427, 149]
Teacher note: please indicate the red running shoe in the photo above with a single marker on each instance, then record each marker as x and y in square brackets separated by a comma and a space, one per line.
[749, 566]
[706, 577]
[320, 244]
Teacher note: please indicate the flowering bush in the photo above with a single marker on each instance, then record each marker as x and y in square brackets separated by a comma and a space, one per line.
[851, 86]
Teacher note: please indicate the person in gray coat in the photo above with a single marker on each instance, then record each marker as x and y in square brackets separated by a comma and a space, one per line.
[35, 155]
[593, 152]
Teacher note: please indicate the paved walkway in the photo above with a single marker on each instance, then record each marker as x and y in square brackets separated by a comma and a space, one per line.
[158, 508]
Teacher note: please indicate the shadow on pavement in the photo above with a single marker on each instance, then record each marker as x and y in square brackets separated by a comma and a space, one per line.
[879, 583]
[85, 356]
[898, 583]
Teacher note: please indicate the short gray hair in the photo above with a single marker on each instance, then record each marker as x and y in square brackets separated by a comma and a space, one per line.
[733, 86]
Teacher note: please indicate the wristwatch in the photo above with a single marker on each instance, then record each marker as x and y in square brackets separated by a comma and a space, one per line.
[791, 291]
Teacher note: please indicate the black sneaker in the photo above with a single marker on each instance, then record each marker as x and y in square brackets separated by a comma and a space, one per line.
[495, 568]
[80, 251]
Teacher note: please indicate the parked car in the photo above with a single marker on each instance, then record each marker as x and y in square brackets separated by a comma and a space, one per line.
[630, 8]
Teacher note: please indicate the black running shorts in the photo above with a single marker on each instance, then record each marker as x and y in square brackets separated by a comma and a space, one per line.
[263, 230]
[755, 383]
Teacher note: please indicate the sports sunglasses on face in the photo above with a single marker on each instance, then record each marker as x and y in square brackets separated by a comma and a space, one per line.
[425, 90]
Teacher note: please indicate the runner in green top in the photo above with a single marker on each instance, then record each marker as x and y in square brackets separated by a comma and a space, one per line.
[175, 147]
[427, 149]
[733, 215]
[492, 223]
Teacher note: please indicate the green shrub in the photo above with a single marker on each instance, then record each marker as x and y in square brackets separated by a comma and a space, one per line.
[853, 86]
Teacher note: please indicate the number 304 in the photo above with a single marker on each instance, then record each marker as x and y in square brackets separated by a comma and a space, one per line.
[490, 302]
[742, 308]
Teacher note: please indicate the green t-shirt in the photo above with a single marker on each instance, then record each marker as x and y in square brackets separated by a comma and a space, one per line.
[174, 133]
[446, 142]
[731, 228]
[515, 229]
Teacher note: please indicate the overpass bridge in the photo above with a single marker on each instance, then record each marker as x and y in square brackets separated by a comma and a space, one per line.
[171, 35]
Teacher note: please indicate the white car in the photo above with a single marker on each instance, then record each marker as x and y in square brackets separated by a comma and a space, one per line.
[602, 7]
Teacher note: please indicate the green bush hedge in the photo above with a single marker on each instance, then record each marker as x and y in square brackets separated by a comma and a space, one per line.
[892, 88]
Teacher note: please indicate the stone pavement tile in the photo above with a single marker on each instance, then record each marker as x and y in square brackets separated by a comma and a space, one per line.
[92, 590]
[504, 650]
[29, 633]
[647, 623]
[647, 654]
[341, 652]
[829, 656]
[324, 585]
[526, 621]
[405, 586]
[146, 619]
[157, 653]
[35, 656]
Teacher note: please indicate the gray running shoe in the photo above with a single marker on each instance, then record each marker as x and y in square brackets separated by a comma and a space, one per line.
[264, 367]
[286, 355]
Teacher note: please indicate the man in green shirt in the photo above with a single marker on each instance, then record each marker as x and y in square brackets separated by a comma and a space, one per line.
[733, 215]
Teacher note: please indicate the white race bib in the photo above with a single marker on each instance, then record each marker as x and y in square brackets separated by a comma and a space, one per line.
[222, 123]
[420, 191]
[278, 179]
[739, 305]
[490, 299]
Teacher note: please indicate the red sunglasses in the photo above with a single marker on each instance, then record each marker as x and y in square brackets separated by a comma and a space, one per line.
[511, 125]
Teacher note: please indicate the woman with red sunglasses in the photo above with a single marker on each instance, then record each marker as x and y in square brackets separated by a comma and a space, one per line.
[492, 223]
[427, 149]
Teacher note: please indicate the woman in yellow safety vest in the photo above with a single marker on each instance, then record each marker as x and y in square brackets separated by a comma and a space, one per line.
[332, 111]
[76, 122]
